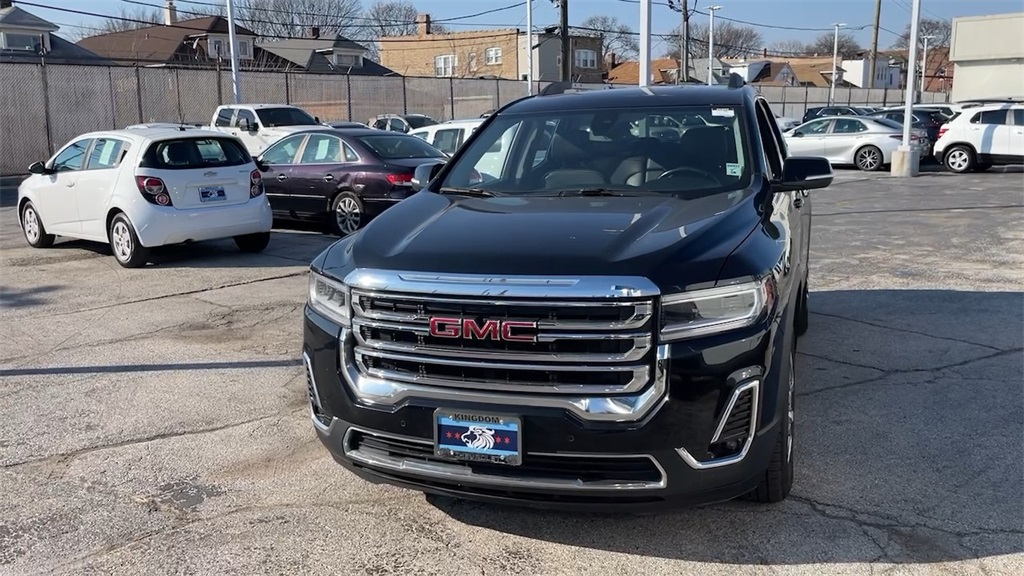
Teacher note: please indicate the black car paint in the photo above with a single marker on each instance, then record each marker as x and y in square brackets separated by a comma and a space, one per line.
[766, 233]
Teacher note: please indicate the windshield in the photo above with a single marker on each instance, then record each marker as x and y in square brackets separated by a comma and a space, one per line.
[663, 150]
[271, 117]
[399, 146]
[420, 121]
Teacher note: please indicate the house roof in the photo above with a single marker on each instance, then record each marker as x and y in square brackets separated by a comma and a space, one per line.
[157, 42]
[61, 52]
[663, 70]
[14, 17]
[813, 71]
[307, 53]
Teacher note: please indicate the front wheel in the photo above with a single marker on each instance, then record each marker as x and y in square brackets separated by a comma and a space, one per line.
[869, 159]
[960, 159]
[124, 242]
[803, 314]
[32, 226]
[777, 480]
[252, 243]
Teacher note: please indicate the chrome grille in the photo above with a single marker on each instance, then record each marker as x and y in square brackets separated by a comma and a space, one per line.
[595, 346]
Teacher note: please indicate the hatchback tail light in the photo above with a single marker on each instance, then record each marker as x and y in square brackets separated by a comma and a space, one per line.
[153, 190]
[255, 183]
[399, 179]
[942, 131]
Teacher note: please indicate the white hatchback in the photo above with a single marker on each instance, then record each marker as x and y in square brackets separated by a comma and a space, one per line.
[140, 188]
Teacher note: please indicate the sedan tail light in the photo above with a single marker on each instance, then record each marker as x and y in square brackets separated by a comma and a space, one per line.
[400, 179]
[255, 183]
[153, 190]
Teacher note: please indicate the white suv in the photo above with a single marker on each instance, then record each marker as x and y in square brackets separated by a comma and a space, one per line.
[979, 137]
[141, 188]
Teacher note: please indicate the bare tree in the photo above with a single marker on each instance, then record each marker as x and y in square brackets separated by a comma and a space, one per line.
[133, 18]
[296, 18]
[823, 45]
[941, 32]
[617, 36]
[787, 48]
[731, 41]
[385, 19]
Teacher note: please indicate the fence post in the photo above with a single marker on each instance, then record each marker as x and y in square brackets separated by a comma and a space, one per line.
[46, 106]
[348, 97]
[497, 94]
[138, 92]
[113, 106]
[784, 100]
[177, 92]
[287, 88]
[405, 98]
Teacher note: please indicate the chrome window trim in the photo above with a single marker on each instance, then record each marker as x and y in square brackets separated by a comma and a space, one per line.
[391, 395]
[460, 473]
[540, 287]
[755, 386]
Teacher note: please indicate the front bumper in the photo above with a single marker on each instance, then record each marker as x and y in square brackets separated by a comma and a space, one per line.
[656, 457]
[162, 225]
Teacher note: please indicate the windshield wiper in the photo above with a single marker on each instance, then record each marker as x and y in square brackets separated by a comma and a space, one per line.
[606, 192]
[475, 192]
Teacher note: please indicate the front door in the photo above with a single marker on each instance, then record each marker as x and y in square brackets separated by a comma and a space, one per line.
[809, 139]
[319, 173]
[280, 160]
[56, 199]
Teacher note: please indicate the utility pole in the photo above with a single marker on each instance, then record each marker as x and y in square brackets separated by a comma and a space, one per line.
[835, 65]
[874, 42]
[711, 44]
[924, 63]
[684, 39]
[644, 78]
[530, 48]
[566, 50]
[236, 81]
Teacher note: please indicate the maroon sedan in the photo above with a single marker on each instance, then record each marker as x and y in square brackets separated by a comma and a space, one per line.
[344, 176]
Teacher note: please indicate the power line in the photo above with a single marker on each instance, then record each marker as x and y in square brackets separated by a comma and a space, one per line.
[323, 15]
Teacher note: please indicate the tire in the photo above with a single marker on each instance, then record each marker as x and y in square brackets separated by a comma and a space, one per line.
[32, 227]
[124, 243]
[869, 159]
[803, 314]
[253, 243]
[347, 214]
[777, 482]
[959, 159]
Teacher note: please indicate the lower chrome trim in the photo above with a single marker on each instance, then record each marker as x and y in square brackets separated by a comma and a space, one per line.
[754, 386]
[391, 395]
[462, 474]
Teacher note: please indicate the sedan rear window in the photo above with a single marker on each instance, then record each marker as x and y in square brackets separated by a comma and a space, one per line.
[187, 153]
[397, 146]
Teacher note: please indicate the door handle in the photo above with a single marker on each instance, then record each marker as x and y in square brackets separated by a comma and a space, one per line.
[282, 177]
[329, 177]
[70, 184]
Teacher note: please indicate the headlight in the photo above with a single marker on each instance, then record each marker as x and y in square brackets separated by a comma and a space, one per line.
[330, 298]
[714, 310]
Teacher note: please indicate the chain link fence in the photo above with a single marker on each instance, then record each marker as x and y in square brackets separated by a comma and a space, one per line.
[45, 106]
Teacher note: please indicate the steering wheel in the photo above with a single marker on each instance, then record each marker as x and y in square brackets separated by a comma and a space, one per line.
[698, 171]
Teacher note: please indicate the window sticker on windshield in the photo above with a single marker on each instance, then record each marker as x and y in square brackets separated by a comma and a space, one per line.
[724, 112]
[733, 169]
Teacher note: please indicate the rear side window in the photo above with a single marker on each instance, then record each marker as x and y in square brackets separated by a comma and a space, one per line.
[191, 153]
[106, 153]
[1018, 116]
[996, 117]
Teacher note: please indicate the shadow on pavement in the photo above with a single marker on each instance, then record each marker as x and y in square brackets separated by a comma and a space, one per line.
[908, 447]
[36, 296]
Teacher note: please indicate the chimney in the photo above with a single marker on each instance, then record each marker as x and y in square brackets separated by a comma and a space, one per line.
[314, 32]
[170, 13]
[423, 24]
[611, 59]
[764, 53]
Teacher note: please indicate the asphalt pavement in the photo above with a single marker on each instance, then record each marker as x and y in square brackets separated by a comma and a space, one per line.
[154, 421]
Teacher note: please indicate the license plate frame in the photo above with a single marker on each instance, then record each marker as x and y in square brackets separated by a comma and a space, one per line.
[492, 430]
[212, 194]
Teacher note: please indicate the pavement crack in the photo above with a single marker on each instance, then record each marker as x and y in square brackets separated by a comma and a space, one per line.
[905, 330]
[912, 210]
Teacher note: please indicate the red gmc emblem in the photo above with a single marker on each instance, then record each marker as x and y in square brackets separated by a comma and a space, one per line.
[468, 328]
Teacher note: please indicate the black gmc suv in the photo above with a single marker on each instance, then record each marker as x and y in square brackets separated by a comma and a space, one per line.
[571, 313]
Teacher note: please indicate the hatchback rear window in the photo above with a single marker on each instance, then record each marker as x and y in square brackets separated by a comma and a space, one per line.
[189, 153]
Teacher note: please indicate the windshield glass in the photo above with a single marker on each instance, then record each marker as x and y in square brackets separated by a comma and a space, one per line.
[398, 146]
[420, 121]
[271, 117]
[670, 150]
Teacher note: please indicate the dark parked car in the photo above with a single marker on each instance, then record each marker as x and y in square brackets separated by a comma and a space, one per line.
[928, 120]
[341, 176]
[822, 111]
[599, 319]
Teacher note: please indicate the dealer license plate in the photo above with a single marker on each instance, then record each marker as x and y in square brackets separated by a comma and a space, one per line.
[211, 193]
[478, 437]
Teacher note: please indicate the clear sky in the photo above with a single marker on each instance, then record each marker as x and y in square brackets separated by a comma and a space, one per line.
[810, 16]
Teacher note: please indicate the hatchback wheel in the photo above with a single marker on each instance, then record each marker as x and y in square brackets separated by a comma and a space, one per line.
[960, 159]
[124, 242]
[32, 225]
[252, 243]
[869, 158]
[347, 213]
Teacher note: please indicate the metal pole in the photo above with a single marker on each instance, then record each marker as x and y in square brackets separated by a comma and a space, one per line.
[566, 56]
[236, 81]
[874, 41]
[645, 43]
[711, 43]
[924, 64]
[529, 48]
[908, 110]
[686, 41]
[835, 66]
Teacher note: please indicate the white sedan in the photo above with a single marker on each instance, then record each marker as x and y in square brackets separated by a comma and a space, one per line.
[863, 141]
[145, 187]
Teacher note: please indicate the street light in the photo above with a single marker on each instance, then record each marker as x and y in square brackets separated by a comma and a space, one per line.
[835, 66]
[924, 62]
[711, 42]
[905, 160]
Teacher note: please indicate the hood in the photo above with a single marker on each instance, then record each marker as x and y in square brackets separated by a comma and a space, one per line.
[670, 241]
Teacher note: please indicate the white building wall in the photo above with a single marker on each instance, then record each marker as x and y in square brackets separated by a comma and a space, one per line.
[988, 56]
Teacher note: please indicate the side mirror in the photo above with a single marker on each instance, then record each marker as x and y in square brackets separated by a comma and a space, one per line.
[798, 134]
[804, 173]
[316, 119]
[38, 168]
[243, 125]
[260, 164]
[424, 173]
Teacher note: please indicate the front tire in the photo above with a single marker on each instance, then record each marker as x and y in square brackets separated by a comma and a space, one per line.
[124, 243]
[347, 214]
[32, 226]
[803, 314]
[777, 481]
[253, 243]
[960, 159]
[869, 159]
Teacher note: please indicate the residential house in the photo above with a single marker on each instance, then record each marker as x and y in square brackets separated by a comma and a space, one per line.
[857, 72]
[495, 53]
[666, 71]
[337, 55]
[762, 71]
[813, 71]
[25, 37]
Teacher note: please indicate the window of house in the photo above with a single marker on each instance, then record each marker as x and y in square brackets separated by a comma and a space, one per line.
[353, 60]
[472, 62]
[28, 42]
[243, 49]
[217, 47]
[444, 66]
[586, 59]
[492, 56]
